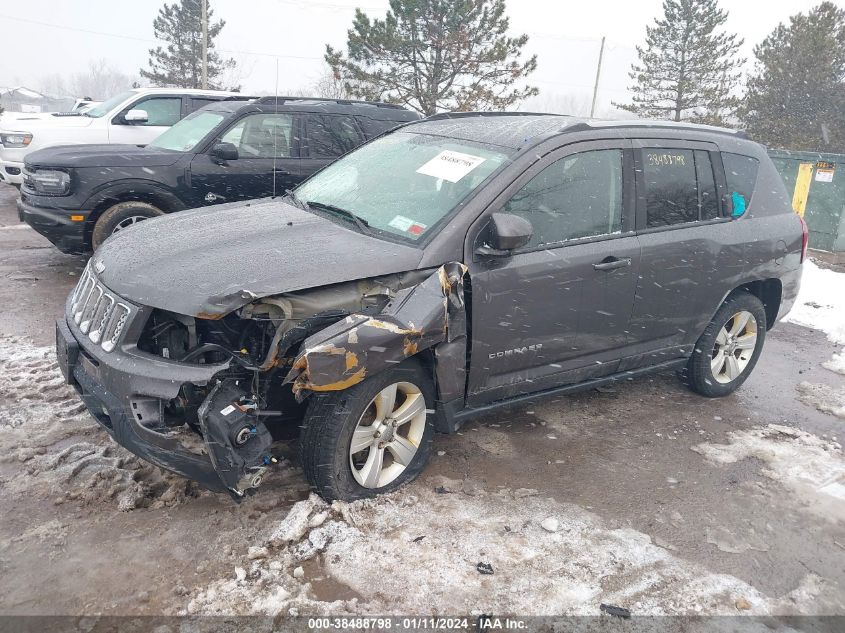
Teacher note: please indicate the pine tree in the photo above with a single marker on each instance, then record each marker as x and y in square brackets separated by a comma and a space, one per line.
[434, 55]
[689, 69]
[180, 64]
[796, 94]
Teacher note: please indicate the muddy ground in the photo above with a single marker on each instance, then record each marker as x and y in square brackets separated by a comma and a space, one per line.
[644, 496]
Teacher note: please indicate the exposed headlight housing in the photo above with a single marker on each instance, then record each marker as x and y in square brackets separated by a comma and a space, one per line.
[15, 139]
[47, 182]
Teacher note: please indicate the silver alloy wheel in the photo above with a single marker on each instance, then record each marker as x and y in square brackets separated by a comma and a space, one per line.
[132, 219]
[388, 435]
[734, 347]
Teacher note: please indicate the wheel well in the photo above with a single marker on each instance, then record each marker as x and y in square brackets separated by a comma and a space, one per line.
[769, 292]
[157, 199]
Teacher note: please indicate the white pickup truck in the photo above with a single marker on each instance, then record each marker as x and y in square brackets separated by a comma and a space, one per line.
[134, 117]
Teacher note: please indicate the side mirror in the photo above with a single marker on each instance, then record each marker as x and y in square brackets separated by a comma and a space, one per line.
[224, 151]
[136, 116]
[507, 232]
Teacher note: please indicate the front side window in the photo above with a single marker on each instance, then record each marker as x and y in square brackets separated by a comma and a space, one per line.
[163, 111]
[262, 136]
[574, 197]
[187, 133]
[404, 183]
[331, 136]
[108, 105]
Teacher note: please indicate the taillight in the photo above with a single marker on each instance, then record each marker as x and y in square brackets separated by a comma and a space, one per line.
[805, 238]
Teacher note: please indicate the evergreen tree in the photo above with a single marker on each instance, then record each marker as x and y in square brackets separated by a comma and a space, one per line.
[180, 64]
[434, 55]
[689, 69]
[796, 94]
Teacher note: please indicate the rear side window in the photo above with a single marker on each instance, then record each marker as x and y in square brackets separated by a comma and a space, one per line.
[741, 176]
[375, 127]
[199, 102]
[680, 186]
[331, 136]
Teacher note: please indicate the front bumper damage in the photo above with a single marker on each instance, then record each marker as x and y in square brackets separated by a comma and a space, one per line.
[127, 390]
[125, 395]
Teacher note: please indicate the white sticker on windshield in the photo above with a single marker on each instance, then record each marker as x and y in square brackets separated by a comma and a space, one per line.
[451, 166]
[401, 223]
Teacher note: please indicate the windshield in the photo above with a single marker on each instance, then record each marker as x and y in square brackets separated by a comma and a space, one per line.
[403, 183]
[184, 135]
[108, 105]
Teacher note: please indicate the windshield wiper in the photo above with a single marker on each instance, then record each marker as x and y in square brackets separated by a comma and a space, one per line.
[360, 222]
[297, 201]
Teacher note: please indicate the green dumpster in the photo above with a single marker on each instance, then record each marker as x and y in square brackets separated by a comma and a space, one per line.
[816, 183]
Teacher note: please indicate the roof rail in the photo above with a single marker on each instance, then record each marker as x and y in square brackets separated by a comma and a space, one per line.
[460, 115]
[593, 124]
[280, 99]
[239, 98]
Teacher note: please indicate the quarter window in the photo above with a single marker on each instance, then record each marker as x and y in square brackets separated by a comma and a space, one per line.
[574, 197]
[163, 111]
[262, 136]
[741, 175]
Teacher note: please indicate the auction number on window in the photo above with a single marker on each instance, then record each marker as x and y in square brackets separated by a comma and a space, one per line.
[654, 159]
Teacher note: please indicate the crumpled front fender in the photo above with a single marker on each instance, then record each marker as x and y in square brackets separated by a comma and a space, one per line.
[359, 346]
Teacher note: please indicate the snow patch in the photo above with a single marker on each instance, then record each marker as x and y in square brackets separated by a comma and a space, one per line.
[810, 467]
[420, 551]
[821, 302]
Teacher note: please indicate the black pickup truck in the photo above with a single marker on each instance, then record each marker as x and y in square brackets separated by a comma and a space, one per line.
[237, 149]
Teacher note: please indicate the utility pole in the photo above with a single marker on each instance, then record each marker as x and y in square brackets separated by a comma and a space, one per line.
[205, 45]
[598, 75]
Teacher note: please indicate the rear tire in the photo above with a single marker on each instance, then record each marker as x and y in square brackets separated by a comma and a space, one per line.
[729, 348]
[119, 217]
[333, 420]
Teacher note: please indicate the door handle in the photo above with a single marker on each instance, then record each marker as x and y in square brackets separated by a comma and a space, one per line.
[281, 172]
[612, 263]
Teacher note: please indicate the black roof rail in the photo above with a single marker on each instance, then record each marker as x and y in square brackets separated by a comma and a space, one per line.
[239, 98]
[596, 124]
[282, 99]
[460, 115]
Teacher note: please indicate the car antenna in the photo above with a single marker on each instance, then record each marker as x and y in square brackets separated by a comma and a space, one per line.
[275, 135]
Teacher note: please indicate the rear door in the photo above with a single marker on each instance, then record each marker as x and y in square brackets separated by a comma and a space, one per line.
[162, 112]
[326, 138]
[691, 254]
[556, 311]
[268, 160]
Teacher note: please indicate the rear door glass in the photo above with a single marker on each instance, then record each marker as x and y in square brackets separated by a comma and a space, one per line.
[331, 136]
[670, 186]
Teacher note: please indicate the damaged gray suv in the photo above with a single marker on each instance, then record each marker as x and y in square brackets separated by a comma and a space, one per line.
[449, 267]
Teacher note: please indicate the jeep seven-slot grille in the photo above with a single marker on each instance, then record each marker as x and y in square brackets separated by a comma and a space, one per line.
[98, 313]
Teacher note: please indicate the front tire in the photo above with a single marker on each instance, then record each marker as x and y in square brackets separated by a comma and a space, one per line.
[119, 217]
[370, 438]
[729, 348]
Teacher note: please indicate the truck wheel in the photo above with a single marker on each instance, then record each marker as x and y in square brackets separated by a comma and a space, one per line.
[119, 217]
[370, 438]
[726, 353]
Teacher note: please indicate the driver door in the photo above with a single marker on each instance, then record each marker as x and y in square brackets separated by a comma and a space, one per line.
[268, 160]
[162, 111]
[556, 311]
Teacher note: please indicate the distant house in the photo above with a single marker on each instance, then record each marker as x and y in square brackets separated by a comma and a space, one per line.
[21, 99]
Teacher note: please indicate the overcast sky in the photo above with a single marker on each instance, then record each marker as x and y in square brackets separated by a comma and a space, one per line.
[40, 37]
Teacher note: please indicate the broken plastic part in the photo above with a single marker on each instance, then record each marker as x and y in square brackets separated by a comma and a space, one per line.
[238, 443]
[358, 346]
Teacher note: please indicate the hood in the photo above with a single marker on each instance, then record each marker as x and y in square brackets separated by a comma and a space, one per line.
[208, 262]
[115, 156]
[45, 122]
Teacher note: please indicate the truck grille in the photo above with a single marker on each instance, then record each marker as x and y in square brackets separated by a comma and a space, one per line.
[98, 312]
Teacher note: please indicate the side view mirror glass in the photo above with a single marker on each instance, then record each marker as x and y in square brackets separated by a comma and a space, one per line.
[507, 232]
[224, 151]
[136, 116]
